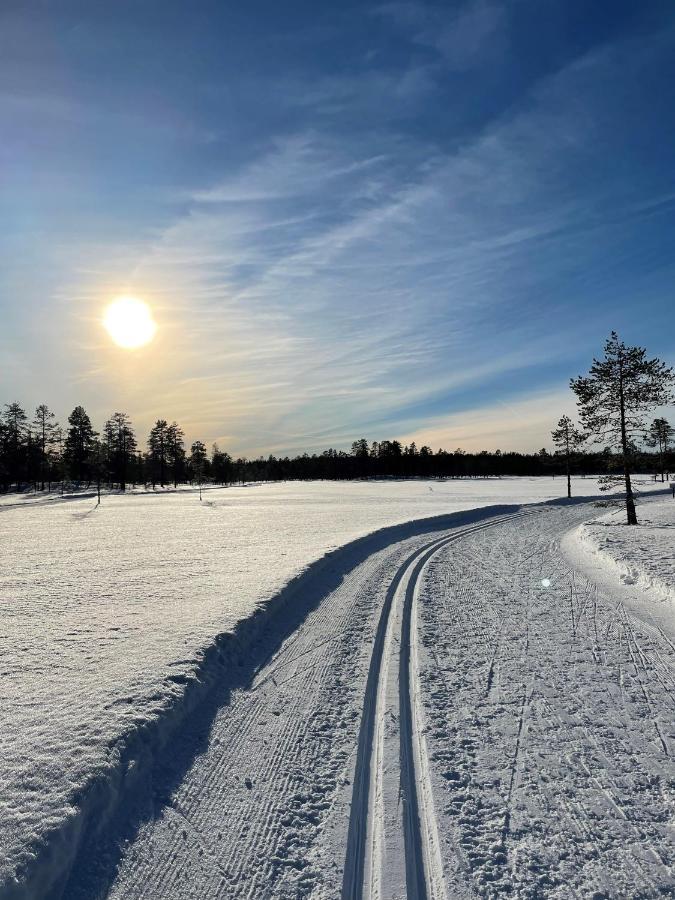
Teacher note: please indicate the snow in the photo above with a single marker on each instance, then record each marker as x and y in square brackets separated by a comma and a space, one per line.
[110, 613]
[642, 555]
[541, 732]
[549, 723]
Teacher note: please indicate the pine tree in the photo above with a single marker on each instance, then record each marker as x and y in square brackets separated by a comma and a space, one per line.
[360, 449]
[221, 465]
[158, 445]
[176, 451]
[659, 435]
[14, 440]
[614, 399]
[361, 454]
[120, 447]
[45, 425]
[57, 461]
[198, 460]
[567, 440]
[79, 444]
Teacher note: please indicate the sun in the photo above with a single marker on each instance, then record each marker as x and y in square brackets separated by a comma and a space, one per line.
[129, 322]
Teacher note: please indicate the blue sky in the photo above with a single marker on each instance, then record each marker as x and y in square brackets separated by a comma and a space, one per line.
[384, 219]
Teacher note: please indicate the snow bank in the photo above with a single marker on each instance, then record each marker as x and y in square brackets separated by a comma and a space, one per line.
[644, 555]
[110, 618]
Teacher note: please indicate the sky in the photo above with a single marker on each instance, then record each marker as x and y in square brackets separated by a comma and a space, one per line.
[400, 219]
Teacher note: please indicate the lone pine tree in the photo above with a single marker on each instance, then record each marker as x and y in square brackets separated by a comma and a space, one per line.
[614, 399]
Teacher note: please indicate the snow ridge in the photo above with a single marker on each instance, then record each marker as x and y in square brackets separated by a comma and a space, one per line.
[640, 556]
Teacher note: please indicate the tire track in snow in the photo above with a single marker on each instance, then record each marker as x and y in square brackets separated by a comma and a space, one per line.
[424, 876]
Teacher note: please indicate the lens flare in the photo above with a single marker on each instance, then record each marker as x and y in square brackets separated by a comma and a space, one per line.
[129, 323]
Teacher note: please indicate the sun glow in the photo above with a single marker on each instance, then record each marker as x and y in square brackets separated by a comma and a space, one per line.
[129, 322]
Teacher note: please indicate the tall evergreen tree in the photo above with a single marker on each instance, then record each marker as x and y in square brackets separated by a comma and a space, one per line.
[120, 447]
[660, 435]
[57, 460]
[567, 440]
[14, 438]
[221, 465]
[361, 454]
[45, 426]
[198, 461]
[158, 446]
[79, 444]
[176, 452]
[614, 399]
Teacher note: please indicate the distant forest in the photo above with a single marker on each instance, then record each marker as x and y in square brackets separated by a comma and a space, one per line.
[39, 453]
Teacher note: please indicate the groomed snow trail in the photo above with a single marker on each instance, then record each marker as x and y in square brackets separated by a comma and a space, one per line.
[250, 818]
[462, 716]
[367, 872]
[550, 710]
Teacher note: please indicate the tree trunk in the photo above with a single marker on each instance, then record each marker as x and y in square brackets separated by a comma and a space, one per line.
[631, 515]
[630, 501]
[567, 466]
[43, 454]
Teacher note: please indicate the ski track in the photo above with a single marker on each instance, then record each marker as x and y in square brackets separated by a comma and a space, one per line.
[440, 726]
[550, 716]
[293, 735]
[422, 878]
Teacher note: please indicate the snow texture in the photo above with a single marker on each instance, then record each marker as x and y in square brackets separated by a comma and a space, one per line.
[642, 555]
[539, 714]
[138, 688]
[118, 619]
[550, 723]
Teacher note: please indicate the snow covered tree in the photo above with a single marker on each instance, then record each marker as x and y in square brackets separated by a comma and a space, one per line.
[614, 399]
[79, 444]
[660, 435]
[567, 440]
[45, 426]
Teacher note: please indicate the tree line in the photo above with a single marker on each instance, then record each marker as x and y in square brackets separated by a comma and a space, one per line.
[613, 399]
[39, 452]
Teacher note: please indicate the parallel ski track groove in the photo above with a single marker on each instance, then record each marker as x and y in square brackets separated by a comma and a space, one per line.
[354, 880]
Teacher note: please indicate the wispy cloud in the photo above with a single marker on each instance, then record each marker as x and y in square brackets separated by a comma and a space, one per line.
[363, 268]
[468, 35]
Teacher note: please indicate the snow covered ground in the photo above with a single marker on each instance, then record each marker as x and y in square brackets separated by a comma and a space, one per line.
[645, 555]
[551, 731]
[113, 616]
[462, 715]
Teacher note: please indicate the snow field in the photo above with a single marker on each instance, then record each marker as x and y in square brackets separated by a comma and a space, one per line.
[544, 714]
[107, 612]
